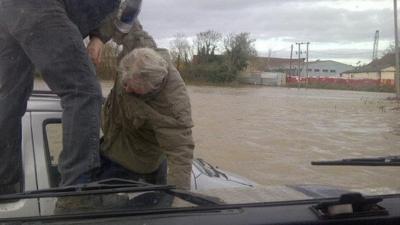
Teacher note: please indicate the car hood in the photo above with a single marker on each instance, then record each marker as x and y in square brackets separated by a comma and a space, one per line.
[277, 193]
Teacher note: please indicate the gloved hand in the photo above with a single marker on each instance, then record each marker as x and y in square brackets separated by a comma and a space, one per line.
[95, 49]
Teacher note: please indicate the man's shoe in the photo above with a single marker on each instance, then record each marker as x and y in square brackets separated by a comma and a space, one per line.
[90, 203]
[76, 204]
[10, 189]
[115, 201]
[83, 179]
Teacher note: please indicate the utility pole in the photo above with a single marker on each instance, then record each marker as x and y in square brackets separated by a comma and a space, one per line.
[290, 62]
[298, 65]
[396, 44]
[299, 61]
[308, 44]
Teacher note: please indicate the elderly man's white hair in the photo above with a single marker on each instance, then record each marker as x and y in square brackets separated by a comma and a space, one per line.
[143, 69]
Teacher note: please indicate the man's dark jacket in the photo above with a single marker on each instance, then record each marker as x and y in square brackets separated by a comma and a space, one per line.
[89, 14]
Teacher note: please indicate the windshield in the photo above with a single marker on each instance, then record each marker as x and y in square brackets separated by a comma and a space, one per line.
[240, 101]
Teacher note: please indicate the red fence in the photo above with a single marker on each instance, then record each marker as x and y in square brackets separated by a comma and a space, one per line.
[339, 81]
[387, 82]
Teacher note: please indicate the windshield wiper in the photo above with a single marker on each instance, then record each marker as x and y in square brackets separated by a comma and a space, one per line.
[207, 166]
[108, 186]
[378, 161]
[112, 186]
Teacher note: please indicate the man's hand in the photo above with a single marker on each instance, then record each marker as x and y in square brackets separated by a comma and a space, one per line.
[95, 48]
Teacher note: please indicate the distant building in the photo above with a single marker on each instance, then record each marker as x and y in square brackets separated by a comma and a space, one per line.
[265, 78]
[325, 68]
[318, 68]
[381, 69]
[270, 64]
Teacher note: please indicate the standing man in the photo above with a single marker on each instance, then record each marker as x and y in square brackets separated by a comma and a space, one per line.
[47, 35]
[135, 38]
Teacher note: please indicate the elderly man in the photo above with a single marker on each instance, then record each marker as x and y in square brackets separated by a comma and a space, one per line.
[147, 122]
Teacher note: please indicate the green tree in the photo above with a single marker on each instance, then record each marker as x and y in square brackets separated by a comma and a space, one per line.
[239, 48]
[210, 67]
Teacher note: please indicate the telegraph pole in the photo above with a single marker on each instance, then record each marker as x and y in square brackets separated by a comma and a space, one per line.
[299, 60]
[308, 44]
[298, 64]
[396, 44]
[290, 66]
[290, 62]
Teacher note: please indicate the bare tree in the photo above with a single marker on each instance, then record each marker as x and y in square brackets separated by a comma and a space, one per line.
[181, 50]
[389, 49]
[108, 66]
[207, 43]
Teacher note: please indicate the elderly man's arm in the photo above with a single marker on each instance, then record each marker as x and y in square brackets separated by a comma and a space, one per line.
[178, 145]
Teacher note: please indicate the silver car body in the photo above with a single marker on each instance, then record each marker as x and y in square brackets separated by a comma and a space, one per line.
[45, 108]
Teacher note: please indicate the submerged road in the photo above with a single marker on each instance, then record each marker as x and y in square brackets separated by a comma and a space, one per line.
[270, 135]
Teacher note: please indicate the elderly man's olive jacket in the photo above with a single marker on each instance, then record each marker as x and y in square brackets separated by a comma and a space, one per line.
[141, 132]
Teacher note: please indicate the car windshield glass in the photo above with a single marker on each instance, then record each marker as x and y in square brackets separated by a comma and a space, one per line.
[241, 101]
[112, 196]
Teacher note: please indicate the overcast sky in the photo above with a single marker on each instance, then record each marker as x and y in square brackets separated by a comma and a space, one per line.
[341, 30]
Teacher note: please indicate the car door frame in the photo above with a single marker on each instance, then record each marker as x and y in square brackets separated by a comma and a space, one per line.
[24, 207]
[39, 121]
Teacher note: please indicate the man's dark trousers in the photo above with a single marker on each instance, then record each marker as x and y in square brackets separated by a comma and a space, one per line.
[38, 34]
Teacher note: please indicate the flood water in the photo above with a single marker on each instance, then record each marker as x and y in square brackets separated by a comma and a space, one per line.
[270, 135]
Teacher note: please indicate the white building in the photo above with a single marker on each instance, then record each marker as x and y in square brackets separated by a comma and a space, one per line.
[326, 68]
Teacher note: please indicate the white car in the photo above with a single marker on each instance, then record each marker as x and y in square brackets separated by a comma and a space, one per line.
[36, 204]
[41, 145]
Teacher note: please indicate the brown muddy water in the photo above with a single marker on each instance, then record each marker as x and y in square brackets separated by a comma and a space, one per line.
[270, 135]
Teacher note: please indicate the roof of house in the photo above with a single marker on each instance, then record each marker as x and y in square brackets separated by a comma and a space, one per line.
[323, 61]
[376, 65]
[270, 63]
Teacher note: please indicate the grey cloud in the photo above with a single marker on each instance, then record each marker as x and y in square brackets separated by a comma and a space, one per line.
[265, 18]
[348, 56]
[287, 20]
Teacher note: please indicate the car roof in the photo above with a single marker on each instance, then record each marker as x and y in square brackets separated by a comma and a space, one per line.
[43, 101]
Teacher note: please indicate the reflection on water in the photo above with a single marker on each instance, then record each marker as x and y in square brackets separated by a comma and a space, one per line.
[396, 129]
[270, 135]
